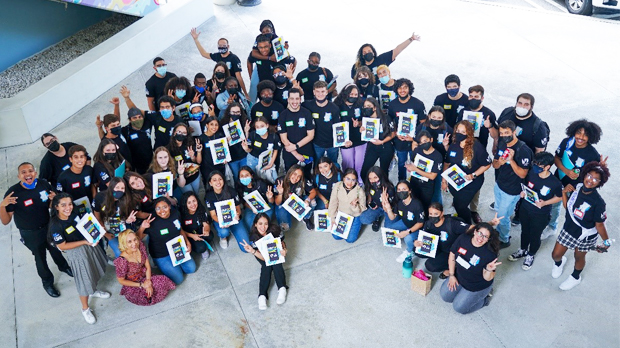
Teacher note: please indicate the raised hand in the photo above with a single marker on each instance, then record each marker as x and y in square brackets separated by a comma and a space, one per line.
[603, 161]
[196, 98]
[194, 33]
[269, 193]
[279, 187]
[146, 223]
[247, 247]
[181, 167]
[9, 199]
[132, 217]
[495, 221]
[115, 101]
[416, 37]
[246, 129]
[446, 141]
[492, 266]
[198, 145]
[98, 122]
[125, 92]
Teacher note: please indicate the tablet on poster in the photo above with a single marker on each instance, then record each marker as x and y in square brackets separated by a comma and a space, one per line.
[226, 213]
[342, 225]
[162, 184]
[371, 128]
[530, 195]
[476, 120]
[429, 244]
[90, 228]
[82, 206]
[278, 49]
[385, 97]
[264, 158]
[455, 176]
[234, 131]
[406, 124]
[424, 164]
[177, 249]
[220, 152]
[256, 202]
[296, 206]
[390, 238]
[340, 133]
[322, 223]
[271, 249]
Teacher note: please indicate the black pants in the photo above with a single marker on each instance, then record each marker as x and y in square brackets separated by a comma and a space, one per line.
[423, 190]
[199, 246]
[384, 153]
[36, 242]
[289, 160]
[439, 263]
[265, 277]
[462, 198]
[532, 226]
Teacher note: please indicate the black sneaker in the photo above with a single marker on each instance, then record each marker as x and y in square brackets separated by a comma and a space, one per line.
[476, 217]
[376, 225]
[309, 224]
[517, 255]
[503, 245]
[515, 221]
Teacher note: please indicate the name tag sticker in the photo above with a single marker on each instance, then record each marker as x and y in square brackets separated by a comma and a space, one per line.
[28, 202]
[164, 231]
[161, 129]
[69, 229]
[462, 262]
[304, 80]
[259, 113]
[289, 123]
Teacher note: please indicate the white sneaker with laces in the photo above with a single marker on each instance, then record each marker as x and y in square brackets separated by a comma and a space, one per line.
[205, 255]
[556, 272]
[281, 296]
[262, 302]
[224, 243]
[101, 294]
[548, 232]
[402, 256]
[570, 283]
[89, 316]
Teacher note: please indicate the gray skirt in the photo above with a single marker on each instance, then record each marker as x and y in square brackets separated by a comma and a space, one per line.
[88, 265]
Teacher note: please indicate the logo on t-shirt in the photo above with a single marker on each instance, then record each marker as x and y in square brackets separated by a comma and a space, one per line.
[44, 196]
[177, 224]
[87, 180]
[57, 237]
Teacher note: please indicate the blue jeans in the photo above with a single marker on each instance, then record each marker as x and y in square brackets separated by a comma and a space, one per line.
[235, 166]
[175, 273]
[555, 214]
[464, 301]
[238, 230]
[371, 215]
[284, 217]
[354, 232]
[402, 156]
[331, 152]
[193, 186]
[248, 216]
[272, 174]
[113, 244]
[504, 206]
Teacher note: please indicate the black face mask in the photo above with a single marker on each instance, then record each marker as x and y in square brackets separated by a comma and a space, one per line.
[425, 146]
[376, 184]
[363, 81]
[118, 194]
[402, 195]
[116, 130]
[231, 90]
[110, 156]
[369, 56]
[180, 137]
[313, 67]
[280, 80]
[219, 75]
[474, 103]
[506, 139]
[267, 100]
[434, 219]
[222, 50]
[436, 123]
[54, 146]
[367, 112]
[587, 190]
[320, 101]
[460, 137]
[352, 100]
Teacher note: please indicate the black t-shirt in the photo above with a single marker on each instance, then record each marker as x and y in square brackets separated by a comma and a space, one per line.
[114, 224]
[348, 114]
[307, 79]
[295, 188]
[448, 232]
[383, 58]
[232, 61]
[31, 211]
[451, 107]
[66, 230]
[546, 189]
[470, 262]
[483, 137]
[525, 129]
[227, 193]
[587, 210]
[375, 196]
[413, 105]
[259, 185]
[140, 146]
[369, 91]
[77, 185]
[264, 67]
[123, 148]
[280, 95]
[438, 134]
[155, 87]
[161, 127]
[145, 203]
[52, 165]
[192, 223]
[207, 158]
[481, 158]
[259, 145]
[271, 112]
[569, 153]
[325, 185]
[411, 213]
[161, 231]
[296, 126]
[101, 176]
[324, 117]
[434, 156]
[505, 177]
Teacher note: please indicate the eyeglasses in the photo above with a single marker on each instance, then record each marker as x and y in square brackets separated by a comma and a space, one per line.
[595, 180]
[482, 235]
[350, 179]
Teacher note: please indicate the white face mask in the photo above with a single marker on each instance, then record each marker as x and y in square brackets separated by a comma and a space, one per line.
[328, 174]
[521, 111]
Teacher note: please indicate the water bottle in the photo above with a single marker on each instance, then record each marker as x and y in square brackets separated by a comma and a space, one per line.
[407, 267]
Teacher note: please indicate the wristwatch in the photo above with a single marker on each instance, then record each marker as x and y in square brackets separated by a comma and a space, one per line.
[473, 175]
[296, 146]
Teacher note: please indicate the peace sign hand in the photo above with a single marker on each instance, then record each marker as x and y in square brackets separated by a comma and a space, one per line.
[181, 168]
[248, 248]
[9, 199]
[269, 193]
[198, 145]
[132, 217]
[247, 128]
[492, 266]
[495, 220]
[147, 222]
[279, 187]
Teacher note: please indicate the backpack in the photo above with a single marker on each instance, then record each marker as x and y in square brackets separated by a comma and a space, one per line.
[537, 122]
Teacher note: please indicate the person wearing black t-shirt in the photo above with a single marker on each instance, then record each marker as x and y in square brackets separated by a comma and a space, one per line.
[374, 183]
[296, 129]
[223, 55]
[585, 221]
[156, 83]
[266, 107]
[138, 136]
[468, 155]
[77, 181]
[28, 201]
[56, 159]
[260, 140]
[511, 163]
[326, 176]
[195, 221]
[181, 91]
[264, 67]
[381, 148]
[235, 113]
[314, 73]
[407, 217]
[108, 163]
[112, 130]
[472, 266]
[354, 150]
[426, 167]
[325, 115]
[247, 183]
[365, 82]
[387, 90]
[162, 227]
[188, 151]
[570, 156]
[367, 55]
[453, 101]
[229, 96]
[294, 182]
[215, 85]
[212, 131]
[529, 128]
[408, 104]
[534, 214]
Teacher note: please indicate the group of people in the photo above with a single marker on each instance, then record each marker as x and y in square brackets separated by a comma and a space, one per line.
[279, 143]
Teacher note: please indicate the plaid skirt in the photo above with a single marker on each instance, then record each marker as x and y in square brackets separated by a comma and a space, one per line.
[587, 244]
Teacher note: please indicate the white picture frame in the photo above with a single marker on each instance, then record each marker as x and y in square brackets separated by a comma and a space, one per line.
[429, 244]
[162, 184]
[296, 206]
[177, 250]
[531, 196]
[264, 158]
[390, 238]
[226, 213]
[256, 202]
[372, 127]
[476, 118]
[90, 228]
[234, 131]
[278, 48]
[220, 152]
[406, 124]
[271, 249]
[340, 132]
[423, 163]
[342, 225]
[455, 176]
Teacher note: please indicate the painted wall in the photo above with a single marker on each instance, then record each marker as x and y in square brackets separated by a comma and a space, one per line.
[130, 7]
[30, 26]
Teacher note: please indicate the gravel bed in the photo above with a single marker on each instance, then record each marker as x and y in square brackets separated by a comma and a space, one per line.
[29, 71]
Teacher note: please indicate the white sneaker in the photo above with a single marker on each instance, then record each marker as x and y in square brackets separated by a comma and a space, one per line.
[570, 283]
[262, 302]
[205, 255]
[281, 296]
[402, 256]
[556, 272]
[89, 316]
[101, 294]
[548, 232]
[224, 243]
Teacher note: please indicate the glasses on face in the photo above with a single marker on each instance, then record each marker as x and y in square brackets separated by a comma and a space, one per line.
[591, 177]
[482, 235]
[350, 179]
[281, 73]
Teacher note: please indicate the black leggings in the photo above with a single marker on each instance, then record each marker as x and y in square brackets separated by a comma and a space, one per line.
[265, 277]
[532, 226]
[423, 191]
[462, 198]
[199, 246]
[384, 153]
[439, 263]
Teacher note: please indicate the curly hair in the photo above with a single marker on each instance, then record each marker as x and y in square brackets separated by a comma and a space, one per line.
[359, 58]
[493, 242]
[345, 92]
[595, 167]
[404, 81]
[592, 130]
[468, 149]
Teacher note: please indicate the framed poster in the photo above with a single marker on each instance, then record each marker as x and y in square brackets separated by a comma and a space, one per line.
[342, 225]
[183, 110]
[424, 164]
[390, 238]
[322, 223]
[530, 195]
[429, 244]
[406, 124]
[256, 202]
[177, 249]
[90, 228]
[264, 158]
[296, 206]
[371, 128]
[278, 49]
[162, 184]
[226, 213]
[455, 176]
[340, 133]
[385, 97]
[82, 206]
[220, 152]
[271, 249]
[476, 118]
[234, 131]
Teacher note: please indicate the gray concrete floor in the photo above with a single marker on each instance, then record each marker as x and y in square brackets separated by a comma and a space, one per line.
[354, 295]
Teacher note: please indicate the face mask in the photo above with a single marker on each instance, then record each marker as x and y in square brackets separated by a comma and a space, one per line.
[137, 124]
[425, 146]
[313, 67]
[180, 93]
[402, 195]
[54, 146]
[363, 81]
[162, 70]
[222, 50]
[219, 75]
[110, 156]
[460, 137]
[267, 100]
[165, 113]
[586, 190]
[118, 194]
[537, 169]
[376, 184]
[320, 101]
[180, 137]
[352, 100]
[506, 139]
[261, 131]
[433, 219]
[369, 56]
[328, 174]
[231, 90]
[197, 116]
[245, 181]
[474, 103]
[384, 80]
[452, 92]
[116, 130]
[436, 123]
[31, 186]
[521, 112]
[200, 89]
[280, 80]
[367, 112]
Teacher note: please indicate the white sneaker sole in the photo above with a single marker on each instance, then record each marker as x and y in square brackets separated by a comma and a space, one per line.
[561, 267]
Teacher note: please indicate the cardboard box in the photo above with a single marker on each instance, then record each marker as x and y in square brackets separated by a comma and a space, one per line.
[420, 286]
